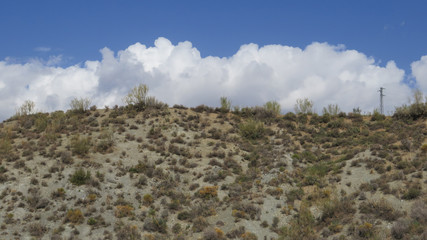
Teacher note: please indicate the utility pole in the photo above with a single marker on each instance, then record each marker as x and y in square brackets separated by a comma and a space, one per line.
[381, 100]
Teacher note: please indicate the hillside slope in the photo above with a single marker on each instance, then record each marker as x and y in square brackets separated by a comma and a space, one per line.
[200, 173]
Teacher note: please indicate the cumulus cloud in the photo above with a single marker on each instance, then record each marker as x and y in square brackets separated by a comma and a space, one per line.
[177, 74]
[419, 71]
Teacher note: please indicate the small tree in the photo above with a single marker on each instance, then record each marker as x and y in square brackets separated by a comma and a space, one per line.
[137, 96]
[418, 97]
[27, 108]
[332, 109]
[304, 106]
[225, 104]
[273, 106]
[357, 110]
[80, 105]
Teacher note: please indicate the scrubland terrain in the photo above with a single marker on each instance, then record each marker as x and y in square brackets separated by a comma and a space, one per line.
[204, 173]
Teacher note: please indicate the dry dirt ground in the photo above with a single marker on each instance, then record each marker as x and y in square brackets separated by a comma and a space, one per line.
[181, 173]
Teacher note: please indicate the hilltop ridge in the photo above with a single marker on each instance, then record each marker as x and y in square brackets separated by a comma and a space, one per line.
[205, 173]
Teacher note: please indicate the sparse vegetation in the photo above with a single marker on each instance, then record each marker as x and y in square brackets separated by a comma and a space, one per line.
[273, 107]
[80, 145]
[123, 211]
[27, 108]
[80, 177]
[106, 141]
[192, 173]
[301, 226]
[416, 110]
[208, 192]
[304, 106]
[80, 105]
[137, 96]
[332, 110]
[74, 216]
[252, 129]
[225, 104]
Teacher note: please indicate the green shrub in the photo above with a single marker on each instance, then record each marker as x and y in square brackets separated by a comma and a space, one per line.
[152, 103]
[80, 145]
[262, 113]
[252, 130]
[400, 228]
[203, 108]
[294, 194]
[366, 231]
[258, 113]
[377, 116]
[337, 210]
[147, 199]
[80, 177]
[37, 229]
[412, 193]
[273, 107]
[314, 174]
[248, 211]
[416, 110]
[290, 116]
[380, 209]
[41, 122]
[300, 227]
[412, 112]
[5, 146]
[302, 118]
[176, 228]
[309, 156]
[92, 221]
[59, 193]
[106, 141]
[129, 232]
[199, 223]
[154, 224]
[184, 215]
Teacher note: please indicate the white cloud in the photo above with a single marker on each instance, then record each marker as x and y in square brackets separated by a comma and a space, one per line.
[177, 74]
[419, 71]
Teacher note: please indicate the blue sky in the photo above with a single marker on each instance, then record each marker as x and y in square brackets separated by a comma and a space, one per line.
[62, 34]
[386, 30]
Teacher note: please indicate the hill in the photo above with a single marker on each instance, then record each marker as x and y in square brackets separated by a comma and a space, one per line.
[204, 173]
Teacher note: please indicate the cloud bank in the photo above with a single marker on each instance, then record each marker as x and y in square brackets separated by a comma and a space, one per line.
[177, 74]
